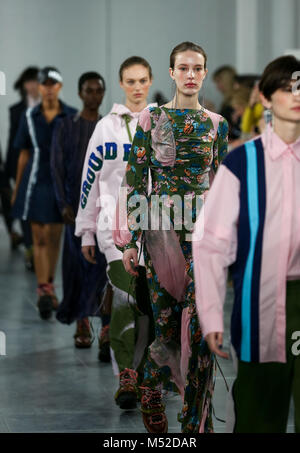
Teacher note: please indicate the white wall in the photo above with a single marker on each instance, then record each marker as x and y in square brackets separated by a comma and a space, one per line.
[78, 36]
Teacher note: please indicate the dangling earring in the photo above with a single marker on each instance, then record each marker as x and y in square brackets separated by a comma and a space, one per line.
[268, 116]
[269, 120]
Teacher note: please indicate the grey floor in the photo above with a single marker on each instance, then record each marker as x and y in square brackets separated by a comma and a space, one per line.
[46, 385]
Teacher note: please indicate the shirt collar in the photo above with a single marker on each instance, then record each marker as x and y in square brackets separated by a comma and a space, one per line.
[276, 147]
[122, 110]
[37, 110]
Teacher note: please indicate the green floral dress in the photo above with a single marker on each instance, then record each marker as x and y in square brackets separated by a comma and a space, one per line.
[181, 150]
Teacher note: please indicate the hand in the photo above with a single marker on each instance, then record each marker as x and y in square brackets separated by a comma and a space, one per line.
[130, 261]
[13, 197]
[215, 342]
[68, 215]
[89, 252]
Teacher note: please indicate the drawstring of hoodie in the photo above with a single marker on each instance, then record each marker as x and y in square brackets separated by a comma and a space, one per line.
[127, 119]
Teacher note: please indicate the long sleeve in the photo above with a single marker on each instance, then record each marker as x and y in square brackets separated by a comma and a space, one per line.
[12, 132]
[12, 153]
[220, 144]
[22, 139]
[89, 206]
[57, 161]
[137, 178]
[214, 248]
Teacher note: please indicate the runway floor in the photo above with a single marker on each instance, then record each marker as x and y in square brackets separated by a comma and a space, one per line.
[46, 385]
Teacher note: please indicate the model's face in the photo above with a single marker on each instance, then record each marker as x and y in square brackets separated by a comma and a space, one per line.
[189, 72]
[285, 103]
[49, 90]
[92, 93]
[136, 83]
[31, 88]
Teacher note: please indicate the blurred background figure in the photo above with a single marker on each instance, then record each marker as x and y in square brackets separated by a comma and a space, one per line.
[253, 122]
[239, 103]
[5, 195]
[245, 81]
[28, 89]
[33, 198]
[83, 282]
[224, 79]
[159, 98]
[248, 113]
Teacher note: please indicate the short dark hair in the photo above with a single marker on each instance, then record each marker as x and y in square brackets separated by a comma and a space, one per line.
[278, 74]
[131, 61]
[89, 76]
[223, 70]
[30, 73]
[247, 80]
[184, 46]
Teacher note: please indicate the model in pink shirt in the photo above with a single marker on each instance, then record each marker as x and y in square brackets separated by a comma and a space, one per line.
[251, 222]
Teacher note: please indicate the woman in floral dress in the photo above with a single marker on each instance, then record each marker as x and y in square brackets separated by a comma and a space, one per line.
[181, 144]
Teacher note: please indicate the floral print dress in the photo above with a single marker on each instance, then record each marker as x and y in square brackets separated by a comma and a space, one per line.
[181, 150]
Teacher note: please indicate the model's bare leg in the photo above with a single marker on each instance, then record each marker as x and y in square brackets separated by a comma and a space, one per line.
[40, 252]
[53, 235]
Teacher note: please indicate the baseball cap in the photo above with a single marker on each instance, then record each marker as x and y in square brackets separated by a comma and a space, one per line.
[49, 73]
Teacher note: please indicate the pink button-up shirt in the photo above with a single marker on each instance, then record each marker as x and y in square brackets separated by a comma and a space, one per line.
[215, 244]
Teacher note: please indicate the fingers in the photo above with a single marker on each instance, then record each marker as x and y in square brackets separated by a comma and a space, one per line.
[135, 261]
[69, 219]
[13, 198]
[92, 252]
[130, 262]
[129, 267]
[215, 343]
[68, 215]
[89, 253]
[72, 216]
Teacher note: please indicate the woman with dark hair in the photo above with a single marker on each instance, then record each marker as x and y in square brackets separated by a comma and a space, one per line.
[34, 198]
[83, 282]
[181, 144]
[103, 171]
[27, 86]
[252, 224]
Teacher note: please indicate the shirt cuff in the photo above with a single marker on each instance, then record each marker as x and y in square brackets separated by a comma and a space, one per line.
[88, 238]
[212, 326]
